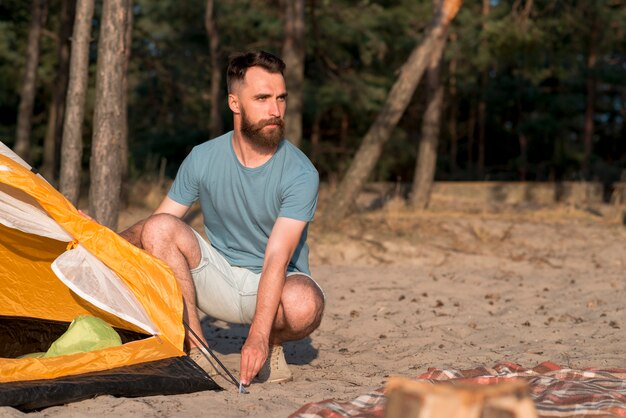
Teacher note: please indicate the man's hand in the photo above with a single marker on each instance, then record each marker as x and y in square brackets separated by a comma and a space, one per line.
[253, 355]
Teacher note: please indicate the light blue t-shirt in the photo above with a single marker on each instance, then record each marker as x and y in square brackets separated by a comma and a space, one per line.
[240, 205]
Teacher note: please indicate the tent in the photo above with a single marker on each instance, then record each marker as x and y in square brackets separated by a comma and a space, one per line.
[57, 265]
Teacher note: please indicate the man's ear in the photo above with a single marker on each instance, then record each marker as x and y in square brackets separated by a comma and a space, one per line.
[233, 103]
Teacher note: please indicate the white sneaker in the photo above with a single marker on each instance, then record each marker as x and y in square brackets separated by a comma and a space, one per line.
[275, 368]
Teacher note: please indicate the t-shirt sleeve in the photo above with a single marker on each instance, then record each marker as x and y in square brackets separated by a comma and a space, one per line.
[185, 189]
[300, 197]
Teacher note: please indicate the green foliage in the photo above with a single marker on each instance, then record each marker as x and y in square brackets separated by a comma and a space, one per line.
[536, 84]
[14, 24]
[529, 67]
[170, 74]
[14, 20]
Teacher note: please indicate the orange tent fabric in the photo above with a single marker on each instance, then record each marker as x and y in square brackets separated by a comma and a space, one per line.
[31, 291]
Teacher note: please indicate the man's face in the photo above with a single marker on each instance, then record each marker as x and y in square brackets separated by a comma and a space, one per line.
[262, 103]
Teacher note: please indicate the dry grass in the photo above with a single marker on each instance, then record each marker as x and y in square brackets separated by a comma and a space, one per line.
[395, 218]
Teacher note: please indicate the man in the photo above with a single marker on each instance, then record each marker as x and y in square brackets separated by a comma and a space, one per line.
[257, 193]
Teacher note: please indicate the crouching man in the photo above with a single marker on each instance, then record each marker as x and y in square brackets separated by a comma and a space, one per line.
[257, 193]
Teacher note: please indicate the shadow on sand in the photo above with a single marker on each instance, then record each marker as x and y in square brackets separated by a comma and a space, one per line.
[228, 339]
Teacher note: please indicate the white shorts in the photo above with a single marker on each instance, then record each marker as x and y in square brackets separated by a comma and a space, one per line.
[225, 292]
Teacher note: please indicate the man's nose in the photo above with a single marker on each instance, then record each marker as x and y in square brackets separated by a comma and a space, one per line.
[275, 109]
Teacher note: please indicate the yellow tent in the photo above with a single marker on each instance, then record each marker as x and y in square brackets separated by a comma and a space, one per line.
[55, 265]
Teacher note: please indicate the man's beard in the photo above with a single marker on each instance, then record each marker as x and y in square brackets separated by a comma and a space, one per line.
[265, 140]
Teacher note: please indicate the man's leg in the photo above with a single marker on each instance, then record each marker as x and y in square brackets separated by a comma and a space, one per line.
[300, 310]
[299, 314]
[173, 241]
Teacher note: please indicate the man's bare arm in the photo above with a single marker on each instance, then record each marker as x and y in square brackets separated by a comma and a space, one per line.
[169, 206]
[280, 248]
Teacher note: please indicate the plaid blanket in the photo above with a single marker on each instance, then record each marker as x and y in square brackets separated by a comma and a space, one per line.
[556, 391]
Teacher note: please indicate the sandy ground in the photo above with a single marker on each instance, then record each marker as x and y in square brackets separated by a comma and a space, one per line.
[409, 291]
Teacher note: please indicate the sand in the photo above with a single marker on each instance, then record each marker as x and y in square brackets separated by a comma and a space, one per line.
[408, 291]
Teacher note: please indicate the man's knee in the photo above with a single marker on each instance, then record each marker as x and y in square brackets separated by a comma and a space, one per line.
[303, 302]
[158, 229]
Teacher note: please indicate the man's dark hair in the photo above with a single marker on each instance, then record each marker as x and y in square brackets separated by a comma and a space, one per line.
[239, 64]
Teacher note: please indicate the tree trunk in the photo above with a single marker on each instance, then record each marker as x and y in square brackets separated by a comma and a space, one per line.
[471, 132]
[427, 155]
[315, 137]
[588, 129]
[622, 135]
[522, 18]
[523, 151]
[125, 140]
[215, 125]
[343, 129]
[482, 104]
[454, 111]
[54, 129]
[522, 139]
[105, 164]
[29, 83]
[482, 114]
[72, 144]
[390, 114]
[293, 55]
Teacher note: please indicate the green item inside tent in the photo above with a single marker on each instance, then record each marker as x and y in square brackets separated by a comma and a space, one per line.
[85, 333]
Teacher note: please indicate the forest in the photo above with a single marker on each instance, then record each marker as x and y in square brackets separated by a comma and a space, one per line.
[528, 90]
